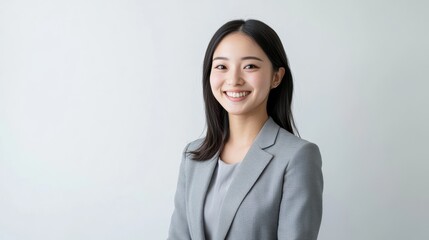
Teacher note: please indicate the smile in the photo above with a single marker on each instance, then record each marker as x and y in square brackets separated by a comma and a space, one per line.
[237, 94]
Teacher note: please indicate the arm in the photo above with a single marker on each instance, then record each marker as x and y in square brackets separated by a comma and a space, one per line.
[301, 206]
[179, 228]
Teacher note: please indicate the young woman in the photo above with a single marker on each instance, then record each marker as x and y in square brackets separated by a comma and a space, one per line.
[250, 177]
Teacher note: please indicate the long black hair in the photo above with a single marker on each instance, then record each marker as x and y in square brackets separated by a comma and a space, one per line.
[279, 99]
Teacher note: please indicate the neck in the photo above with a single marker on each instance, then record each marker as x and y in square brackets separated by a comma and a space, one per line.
[244, 129]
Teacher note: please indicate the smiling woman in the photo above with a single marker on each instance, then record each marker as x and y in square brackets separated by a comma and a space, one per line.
[242, 76]
[250, 177]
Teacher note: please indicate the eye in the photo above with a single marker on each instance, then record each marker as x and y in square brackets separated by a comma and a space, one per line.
[250, 66]
[220, 67]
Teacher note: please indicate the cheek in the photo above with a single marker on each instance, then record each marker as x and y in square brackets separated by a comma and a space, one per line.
[215, 82]
[260, 81]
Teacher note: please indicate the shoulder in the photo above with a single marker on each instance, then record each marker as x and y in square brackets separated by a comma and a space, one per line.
[192, 146]
[297, 156]
[288, 139]
[189, 148]
[292, 145]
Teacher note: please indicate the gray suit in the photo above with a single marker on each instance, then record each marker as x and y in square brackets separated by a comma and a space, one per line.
[276, 192]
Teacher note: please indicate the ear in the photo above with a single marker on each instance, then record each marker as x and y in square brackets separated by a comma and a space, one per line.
[277, 78]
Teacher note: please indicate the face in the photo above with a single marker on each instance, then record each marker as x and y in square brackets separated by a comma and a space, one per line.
[242, 75]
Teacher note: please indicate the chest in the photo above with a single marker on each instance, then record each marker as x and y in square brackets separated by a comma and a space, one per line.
[233, 154]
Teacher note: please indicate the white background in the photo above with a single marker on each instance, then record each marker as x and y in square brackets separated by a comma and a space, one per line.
[98, 99]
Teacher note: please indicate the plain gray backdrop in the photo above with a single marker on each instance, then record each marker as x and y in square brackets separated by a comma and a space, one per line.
[98, 99]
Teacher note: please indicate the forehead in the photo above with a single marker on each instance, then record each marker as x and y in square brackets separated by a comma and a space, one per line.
[237, 45]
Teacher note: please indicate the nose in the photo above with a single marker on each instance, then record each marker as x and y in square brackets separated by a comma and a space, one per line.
[234, 77]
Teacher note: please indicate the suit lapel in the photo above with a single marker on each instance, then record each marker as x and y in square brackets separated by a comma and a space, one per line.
[247, 174]
[201, 177]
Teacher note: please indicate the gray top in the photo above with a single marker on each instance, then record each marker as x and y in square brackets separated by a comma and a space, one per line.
[219, 185]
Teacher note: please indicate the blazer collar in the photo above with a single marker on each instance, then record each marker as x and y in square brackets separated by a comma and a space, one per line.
[268, 134]
[247, 174]
[201, 180]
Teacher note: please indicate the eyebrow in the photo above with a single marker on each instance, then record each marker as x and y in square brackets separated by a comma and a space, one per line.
[243, 58]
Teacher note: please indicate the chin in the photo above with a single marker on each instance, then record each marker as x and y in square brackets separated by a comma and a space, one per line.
[236, 112]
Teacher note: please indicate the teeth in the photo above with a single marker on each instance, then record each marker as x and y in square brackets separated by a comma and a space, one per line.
[237, 94]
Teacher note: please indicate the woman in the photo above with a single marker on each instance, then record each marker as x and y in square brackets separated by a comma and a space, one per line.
[250, 177]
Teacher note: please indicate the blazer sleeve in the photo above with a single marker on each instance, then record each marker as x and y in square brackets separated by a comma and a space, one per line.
[301, 205]
[179, 228]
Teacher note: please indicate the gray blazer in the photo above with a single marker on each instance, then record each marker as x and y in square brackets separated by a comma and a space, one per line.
[276, 192]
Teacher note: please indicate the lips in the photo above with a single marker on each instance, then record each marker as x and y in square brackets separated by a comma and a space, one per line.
[236, 94]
